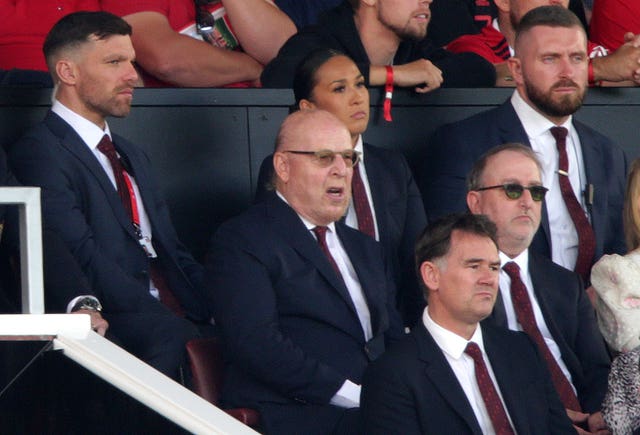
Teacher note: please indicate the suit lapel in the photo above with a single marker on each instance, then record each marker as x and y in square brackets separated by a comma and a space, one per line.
[441, 375]
[375, 172]
[292, 229]
[508, 381]
[70, 141]
[594, 170]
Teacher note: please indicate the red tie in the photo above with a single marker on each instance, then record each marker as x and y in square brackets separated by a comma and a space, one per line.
[156, 274]
[526, 318]
[586, 237]
[320, 233]
[361, 204]
[489, 394]
[106, 147]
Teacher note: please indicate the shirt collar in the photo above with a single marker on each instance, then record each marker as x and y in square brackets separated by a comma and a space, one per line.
[450, 343]
[310, 226]
[360, 148]
[522, 260]
[89, 132]
[533, 122]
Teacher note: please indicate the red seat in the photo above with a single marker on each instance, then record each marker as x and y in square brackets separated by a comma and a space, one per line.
[205, 360]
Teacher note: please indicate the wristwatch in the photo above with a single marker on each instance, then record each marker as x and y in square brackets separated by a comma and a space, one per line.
[87, 303]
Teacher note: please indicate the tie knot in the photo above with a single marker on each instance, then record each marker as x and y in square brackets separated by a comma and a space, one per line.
[473, 350]
[320, 232]
[560, 134]
[105, 146]
[512, 269]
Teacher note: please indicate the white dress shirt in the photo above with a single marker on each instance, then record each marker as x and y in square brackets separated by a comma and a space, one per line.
[351, 219]
[348, 396]
[91, 135]
[453, 346]
[564, 237]
[522, 261]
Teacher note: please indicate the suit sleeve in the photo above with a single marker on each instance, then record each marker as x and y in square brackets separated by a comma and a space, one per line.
[443, 176]
[386, 401]
[245, 309]
[463, 70]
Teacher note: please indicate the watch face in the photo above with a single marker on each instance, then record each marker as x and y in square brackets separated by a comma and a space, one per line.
[87, 304]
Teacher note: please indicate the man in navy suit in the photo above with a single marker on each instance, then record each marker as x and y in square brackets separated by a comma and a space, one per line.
[451, 374]
[109, 212]
[303, 303]
[550, 69]
[506, 186]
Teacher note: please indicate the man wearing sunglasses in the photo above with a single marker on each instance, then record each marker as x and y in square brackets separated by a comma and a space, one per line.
[303, 302]
[550, 69]
[537, 296]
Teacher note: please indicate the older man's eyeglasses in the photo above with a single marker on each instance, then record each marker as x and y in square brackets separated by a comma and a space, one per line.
[325, 158]
[514, 191]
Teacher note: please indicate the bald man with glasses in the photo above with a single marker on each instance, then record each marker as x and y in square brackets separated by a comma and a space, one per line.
[546, 301]
[303, 302]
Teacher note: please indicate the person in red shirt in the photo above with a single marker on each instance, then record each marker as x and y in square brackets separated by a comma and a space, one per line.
[612, 19]
[171, 51]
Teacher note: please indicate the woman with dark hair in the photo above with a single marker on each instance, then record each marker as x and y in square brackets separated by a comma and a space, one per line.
[386, 203]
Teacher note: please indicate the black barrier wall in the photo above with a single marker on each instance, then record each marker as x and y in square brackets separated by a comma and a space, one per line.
[206, 145]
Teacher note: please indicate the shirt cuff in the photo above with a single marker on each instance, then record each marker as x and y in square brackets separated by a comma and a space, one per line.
[348, 396]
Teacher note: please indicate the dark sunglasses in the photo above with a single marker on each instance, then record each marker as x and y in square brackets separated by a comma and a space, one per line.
[325, 158]
[514, 191]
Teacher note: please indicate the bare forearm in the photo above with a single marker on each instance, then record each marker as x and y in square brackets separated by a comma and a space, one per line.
[261, 27]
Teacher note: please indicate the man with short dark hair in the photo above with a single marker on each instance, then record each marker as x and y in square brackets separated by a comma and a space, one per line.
[453, 374]
[584, 171]
[537, 296]
[303, 302]
[99, 195]
[387, 40]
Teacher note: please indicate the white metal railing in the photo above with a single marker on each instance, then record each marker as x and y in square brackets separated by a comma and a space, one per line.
[72, 334]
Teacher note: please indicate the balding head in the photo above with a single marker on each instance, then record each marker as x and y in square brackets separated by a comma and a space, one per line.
[317, 187]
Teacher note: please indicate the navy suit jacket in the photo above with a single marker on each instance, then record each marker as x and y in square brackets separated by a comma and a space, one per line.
[399, 214]
[80, 203]
[290, 330]
[572, 322]
[413, 390]
[453, 149]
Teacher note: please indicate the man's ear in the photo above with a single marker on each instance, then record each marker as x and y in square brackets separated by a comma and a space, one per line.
[430, 274]
[473, 202]
[281, 166]
[67, 71]
[515, 68]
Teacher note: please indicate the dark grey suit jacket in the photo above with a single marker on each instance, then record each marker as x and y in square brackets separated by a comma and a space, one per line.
[399, 214]
[413, 390]
[290, 329]
[453, 149]
[572, 322]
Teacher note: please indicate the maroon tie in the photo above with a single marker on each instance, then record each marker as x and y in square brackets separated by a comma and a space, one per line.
[106, 147]
[157, 275]
[586, 237]
[361, 204]
[321, 233]
[526, 318]
[489, 394]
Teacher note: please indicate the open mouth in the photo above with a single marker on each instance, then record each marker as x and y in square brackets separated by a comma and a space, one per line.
[336, 192]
